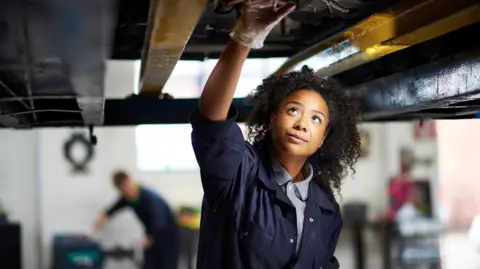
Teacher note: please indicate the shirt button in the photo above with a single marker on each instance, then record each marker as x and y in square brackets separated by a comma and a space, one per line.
[245, 233]
[310, 219]
[291, 240]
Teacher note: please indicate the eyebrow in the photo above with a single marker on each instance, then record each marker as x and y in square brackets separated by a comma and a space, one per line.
[300, 104]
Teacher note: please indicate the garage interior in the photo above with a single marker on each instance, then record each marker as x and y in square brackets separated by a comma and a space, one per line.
[87, 87]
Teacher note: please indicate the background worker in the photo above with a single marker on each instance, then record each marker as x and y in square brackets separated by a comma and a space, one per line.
[161, 241]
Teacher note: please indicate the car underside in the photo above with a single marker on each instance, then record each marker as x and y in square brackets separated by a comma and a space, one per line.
[402, 59]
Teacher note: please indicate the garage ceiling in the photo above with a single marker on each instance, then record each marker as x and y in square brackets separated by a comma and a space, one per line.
[403, 60]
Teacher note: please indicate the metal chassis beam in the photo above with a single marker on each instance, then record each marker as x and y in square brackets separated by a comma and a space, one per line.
[149, 111]
[138, 111]
[170, 25]
[403, 25]
[84, 37]
[434, 85]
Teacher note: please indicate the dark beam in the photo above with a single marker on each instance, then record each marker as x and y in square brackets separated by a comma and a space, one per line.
[133, 112]
[130, 112]
[147, 111]
[434, 85]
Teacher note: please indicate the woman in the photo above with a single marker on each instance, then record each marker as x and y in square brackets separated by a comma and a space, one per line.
[270, 204]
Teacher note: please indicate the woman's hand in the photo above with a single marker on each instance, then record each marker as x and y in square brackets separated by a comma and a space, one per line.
[258, 19]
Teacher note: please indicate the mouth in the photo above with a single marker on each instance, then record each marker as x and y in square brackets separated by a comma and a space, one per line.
[295, 139]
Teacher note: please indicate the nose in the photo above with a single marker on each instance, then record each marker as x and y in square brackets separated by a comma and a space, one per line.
[300, 124]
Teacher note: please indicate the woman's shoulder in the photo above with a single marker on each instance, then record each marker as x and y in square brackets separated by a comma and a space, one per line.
[261, 160]
[253, 151]
[259, 154]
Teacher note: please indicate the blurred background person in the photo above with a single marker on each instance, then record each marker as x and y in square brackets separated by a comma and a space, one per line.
[161, 240]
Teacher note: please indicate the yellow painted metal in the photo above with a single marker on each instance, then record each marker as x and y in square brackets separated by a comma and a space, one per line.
[170, 25]
[405, 24]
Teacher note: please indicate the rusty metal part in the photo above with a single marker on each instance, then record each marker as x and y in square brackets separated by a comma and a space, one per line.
[170, 25]
[435, 85]
[405, 24]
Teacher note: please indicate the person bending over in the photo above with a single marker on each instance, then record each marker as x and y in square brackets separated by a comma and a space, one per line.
[269, 202]
[161, 242]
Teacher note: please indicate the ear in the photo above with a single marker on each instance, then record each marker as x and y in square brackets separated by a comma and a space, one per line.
[272, 118]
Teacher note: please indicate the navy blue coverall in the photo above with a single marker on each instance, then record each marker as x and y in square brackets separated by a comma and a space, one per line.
[247, 219]
[159, 223]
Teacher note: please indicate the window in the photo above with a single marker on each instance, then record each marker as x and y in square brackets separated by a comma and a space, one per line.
[253, 72]
[165, 148]
[168, 148]
[184, 81]
[189, 77]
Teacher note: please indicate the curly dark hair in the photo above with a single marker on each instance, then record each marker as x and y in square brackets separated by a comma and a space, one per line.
[341, 148]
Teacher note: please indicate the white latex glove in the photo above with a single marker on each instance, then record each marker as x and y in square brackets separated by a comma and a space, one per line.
[257, 20]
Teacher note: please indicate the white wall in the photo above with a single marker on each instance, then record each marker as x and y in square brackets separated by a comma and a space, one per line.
[71, 202]
[19, 188]
[29, 163]
[458, 147]
[368, 183]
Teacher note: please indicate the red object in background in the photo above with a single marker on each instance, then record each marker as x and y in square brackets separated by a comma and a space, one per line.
[399, 192]
[425, 131]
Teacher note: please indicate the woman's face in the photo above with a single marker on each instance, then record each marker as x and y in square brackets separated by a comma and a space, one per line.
[300, 123]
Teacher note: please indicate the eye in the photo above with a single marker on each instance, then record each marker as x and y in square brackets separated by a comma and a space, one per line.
[293, 111]
[317, 119]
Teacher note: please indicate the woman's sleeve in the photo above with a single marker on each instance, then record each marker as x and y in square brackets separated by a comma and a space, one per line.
[222, 154]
